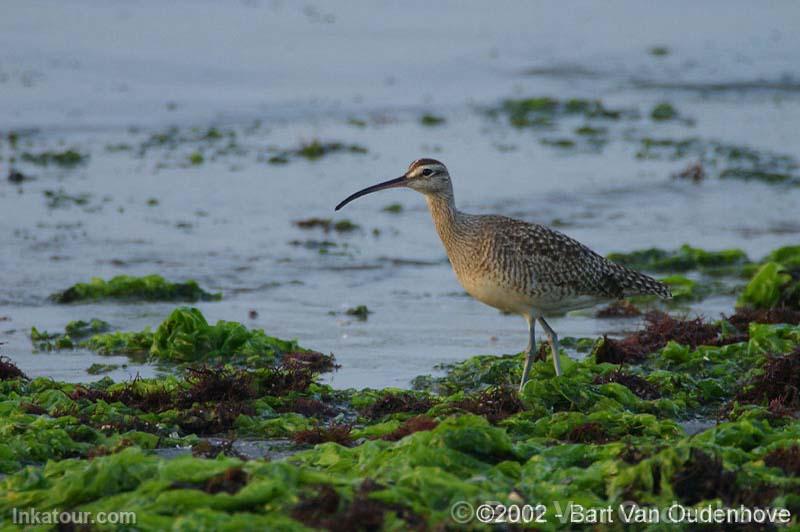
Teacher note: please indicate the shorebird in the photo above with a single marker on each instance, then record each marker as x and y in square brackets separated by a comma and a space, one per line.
[515, 266]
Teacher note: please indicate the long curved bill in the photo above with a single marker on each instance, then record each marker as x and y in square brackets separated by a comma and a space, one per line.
[392, 183]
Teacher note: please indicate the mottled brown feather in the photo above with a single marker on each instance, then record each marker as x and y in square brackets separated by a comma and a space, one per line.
[531, 259]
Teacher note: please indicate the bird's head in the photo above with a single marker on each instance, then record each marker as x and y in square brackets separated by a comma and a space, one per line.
[427, 176]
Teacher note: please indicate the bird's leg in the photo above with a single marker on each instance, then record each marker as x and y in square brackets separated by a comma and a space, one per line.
[528, 352]
[553, 337]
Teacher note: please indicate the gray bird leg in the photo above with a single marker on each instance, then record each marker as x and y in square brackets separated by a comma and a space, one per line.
[528, 352]
[553, 337]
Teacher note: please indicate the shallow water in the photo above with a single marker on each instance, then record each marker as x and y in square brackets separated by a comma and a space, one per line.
[278, 74]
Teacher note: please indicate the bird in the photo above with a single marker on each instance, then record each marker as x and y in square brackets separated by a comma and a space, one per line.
[515, 266]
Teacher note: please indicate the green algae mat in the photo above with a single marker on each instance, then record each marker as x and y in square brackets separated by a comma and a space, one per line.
[683, 421]
[603, 435]
[125, 287]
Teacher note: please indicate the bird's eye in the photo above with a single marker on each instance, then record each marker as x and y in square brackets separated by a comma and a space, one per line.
[427, 172]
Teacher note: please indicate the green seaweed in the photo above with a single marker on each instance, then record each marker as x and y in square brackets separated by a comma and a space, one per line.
[361, 312]
[599, 435]
[345, 226]
[596, 436]
[196, 158]
[590, 131]
[186, 336]
[315, 150]
[431, 120]
[99, 369]
[65, 159]
[730, 160]
[541, 111]
[212, 133]
[663, 111]
[771, 286]
[787, 256]
[59, 199]
[340, 226]
[685, 258]
[134, 344]
[393, 208]
[746, 174]
[659, 51]
[82, 329]
[558, 142]
[357, 122]
[183, 337]
[147, 288]
[278, 159]
[73, 333]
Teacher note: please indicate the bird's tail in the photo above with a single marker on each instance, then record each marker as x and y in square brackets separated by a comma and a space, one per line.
[635, 283]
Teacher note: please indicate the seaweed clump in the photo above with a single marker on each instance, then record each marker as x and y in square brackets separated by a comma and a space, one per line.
[229, 481]
[659, 51]
[99, 369]
[132, 394]
[393, 208]
[326, 224]
[308, 407]
[318, 510]
[541, 111]
[336, 433]
[747, 174]
[57, 199]
[744, 316]
[663, 111]
[495, 403]
[702, 477]
[315, 150]
[65, 159]
[693, 172]
[207, 401]
[324, 510]
[683, 259]
[17, 177]
[9, 370]
[393, 403]
[208, 384]
[619, 309]
[284, 379]
[311, 360]
[772, 286]
[74, 332]
[201, 385]
[361, 312]
[147, 288]
[660, 328]
[410, 426]
[736, 161]
[590, 432]
[186, 336]
[785, 458]
[639, 386]
[429, 119]
[778, 385]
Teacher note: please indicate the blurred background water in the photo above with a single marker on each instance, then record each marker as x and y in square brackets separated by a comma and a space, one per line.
[106, 77]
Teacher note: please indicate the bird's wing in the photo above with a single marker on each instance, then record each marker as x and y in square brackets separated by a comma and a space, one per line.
[556, 263]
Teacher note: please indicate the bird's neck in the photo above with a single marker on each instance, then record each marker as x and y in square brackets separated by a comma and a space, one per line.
[445, 216]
